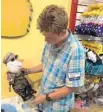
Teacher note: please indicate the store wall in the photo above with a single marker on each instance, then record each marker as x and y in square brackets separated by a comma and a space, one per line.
[30, 46]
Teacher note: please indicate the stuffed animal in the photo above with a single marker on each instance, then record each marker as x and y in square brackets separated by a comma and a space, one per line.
[92, 57]
[16, 77]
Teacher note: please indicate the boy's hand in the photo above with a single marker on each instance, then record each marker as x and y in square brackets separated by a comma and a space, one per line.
[39, 99]
[26, 71]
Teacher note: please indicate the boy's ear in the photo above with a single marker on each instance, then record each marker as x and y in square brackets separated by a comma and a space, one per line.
[62, 33]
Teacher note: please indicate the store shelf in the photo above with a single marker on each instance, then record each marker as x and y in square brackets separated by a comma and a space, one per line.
[88, 37]
[89, 2]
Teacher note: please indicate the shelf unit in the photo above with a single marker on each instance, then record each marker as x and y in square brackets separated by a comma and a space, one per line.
[82, 7]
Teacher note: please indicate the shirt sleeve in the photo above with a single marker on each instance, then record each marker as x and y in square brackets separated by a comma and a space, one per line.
[76, 69]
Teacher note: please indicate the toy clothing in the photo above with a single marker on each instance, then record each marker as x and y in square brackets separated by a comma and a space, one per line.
[21, 85]
[63, 66]
[94, 63]
[92, 22]
[94, 69]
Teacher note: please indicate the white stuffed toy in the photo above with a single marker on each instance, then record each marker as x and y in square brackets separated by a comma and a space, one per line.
[91, 56]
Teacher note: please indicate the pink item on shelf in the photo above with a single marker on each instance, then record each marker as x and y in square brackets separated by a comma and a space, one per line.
[79, 104]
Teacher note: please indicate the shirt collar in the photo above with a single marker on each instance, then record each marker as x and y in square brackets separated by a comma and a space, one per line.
[54, 48]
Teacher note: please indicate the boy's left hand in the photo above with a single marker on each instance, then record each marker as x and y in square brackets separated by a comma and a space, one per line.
[39, 99]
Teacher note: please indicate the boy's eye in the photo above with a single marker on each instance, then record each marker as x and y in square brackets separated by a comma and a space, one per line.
[12, 59]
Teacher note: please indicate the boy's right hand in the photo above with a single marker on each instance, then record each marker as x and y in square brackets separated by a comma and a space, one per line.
[26, 71]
